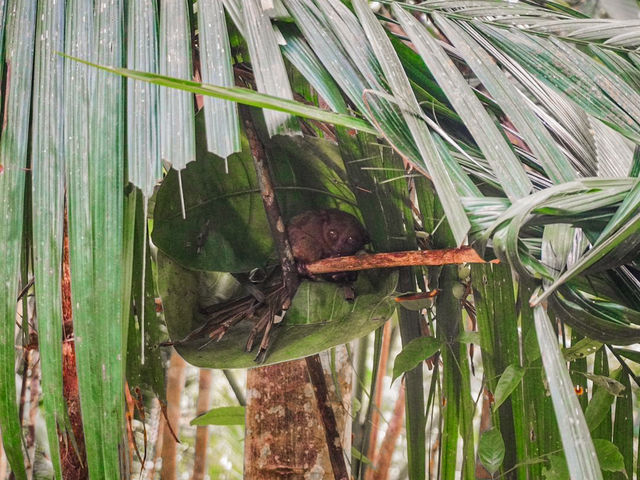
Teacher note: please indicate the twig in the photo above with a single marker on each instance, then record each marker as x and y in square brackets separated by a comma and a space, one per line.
[395, 259]
[271, 207]
[336, 454]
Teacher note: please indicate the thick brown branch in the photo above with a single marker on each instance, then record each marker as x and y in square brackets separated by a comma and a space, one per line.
[395, 259]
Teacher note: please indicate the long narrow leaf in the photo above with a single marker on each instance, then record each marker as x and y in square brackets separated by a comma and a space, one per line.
[401, 89]
[576, 440]
[21, 21]
[221, 116]
[47, 156]
[268, 65]
[506, 167]
[177, 127]
[143, 155]
[241, 95]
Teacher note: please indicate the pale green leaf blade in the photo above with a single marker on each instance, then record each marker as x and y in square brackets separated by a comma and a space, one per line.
[411, 112]
[506, 167]
[241, 95]
[576, 439]
[302, 57]
[509, 98]
[47, 166]
[143, 155]
[268, 65]
[177, 137]
[221, 116]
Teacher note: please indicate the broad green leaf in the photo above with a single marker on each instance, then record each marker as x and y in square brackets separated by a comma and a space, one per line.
[222, 209]
[509, 381]
[416, 351]
[599, 406]
[221, 416]
[491, 450]
[319, 317]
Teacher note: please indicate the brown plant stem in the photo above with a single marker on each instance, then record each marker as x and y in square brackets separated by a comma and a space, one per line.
[447, 256]
[271, 207]
[336, 453]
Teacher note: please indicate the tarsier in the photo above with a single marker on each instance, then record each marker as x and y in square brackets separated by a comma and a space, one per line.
[317, 234]
[314, 234]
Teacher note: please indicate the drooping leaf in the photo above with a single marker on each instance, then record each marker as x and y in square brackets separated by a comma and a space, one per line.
[609, 456]
[491, 450]
[416, 351]
[509, 381]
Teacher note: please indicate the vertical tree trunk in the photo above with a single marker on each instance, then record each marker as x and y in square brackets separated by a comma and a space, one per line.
[284, 434]
[202, 432]
[175, 385]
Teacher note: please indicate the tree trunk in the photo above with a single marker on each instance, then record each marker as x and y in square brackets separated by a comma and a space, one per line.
[284, 434]
[202, 432]
[175, 385]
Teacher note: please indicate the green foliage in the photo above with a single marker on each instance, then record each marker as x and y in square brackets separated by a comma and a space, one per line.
[491, 450]
[221, 416]
[416, 351]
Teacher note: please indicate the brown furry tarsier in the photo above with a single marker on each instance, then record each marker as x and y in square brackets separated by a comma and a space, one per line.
[314, 235]
[318, 234]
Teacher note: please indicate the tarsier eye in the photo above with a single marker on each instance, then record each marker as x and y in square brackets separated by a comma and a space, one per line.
[333, 235]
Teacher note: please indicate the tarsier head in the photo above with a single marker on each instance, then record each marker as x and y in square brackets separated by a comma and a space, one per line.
[343, 234]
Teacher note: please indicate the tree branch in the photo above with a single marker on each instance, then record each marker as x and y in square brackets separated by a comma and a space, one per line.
[395, 259]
